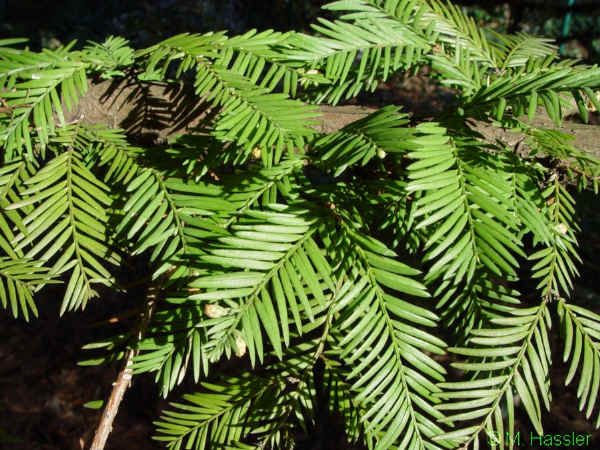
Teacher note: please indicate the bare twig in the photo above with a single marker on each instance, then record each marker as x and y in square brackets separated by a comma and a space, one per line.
[124, 379]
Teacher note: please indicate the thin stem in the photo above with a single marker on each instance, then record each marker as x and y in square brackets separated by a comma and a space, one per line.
[124, 378]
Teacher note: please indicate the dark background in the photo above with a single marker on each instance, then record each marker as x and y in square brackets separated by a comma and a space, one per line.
[144, 22]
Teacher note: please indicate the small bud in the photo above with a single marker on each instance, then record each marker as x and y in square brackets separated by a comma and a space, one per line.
[240, 346]
[256, 153]
[214, 311]
[381, 154]
[561, 228]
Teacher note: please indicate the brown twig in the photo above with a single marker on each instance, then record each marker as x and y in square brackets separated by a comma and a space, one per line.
[116, 319]
[124, 378]
[581, 172]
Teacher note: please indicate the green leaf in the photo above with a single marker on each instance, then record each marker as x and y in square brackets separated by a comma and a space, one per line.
[94, 404]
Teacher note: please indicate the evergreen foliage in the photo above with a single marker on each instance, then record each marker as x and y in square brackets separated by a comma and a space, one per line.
[339, 292]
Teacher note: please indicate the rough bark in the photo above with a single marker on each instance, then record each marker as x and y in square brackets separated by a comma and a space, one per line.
[153, 112]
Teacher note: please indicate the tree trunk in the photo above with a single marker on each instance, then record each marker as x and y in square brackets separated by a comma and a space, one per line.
[153, 112]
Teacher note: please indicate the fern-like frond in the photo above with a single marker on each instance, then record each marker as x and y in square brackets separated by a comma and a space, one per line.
[34, 94]
[516, 50]
[398, 206]
[465, 205]
[513, 57]
[456, 30]
[173, 216]
[12, 177]
[171, 357]
[584, 352]
[215, 417]
[250, 285]
[109, 57]
[248, 412]
[528, 201]
[374, 135]
[104, 148]
[555, 263]
[68, 225]
[278, 257]
[254, 118]
[458, 70]
[187, 49]
[391, 370]
[257, 56]
[298, 254]
[110, 148]
[16, 63]
[250, 115]
[150, 215]
[471, 306]
[19, 278]
[169, 216]
[355, 55]
[534, 84]
[511, 358]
